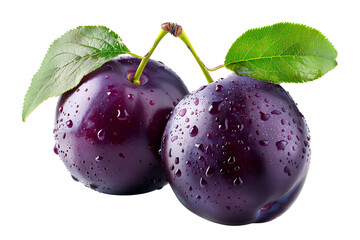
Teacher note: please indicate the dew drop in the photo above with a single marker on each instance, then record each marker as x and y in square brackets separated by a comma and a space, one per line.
[209, 171]
[287, 170]
[60, 109]
[264, 142]
[178, 173]
[182, 112]
[177, 160]
[131, 97]
[93, 186]
[151, 102]
[218, 88]
[215, 107]
[300, 130]
[99, 158]
[196, 102]
[240, 127]
[223, 126]
[101, 134]
[203, 182]
[231, 160]
[264, 116]
[283, 121]
[276, 112]
[174, 138]
[56, 150]
[238, 181]
[198, 197]
[193, 131]
[281, 144]
[200, 146]
[69, 124]
[122, 114]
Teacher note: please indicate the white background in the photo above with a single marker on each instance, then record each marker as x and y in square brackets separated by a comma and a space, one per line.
[38, 198]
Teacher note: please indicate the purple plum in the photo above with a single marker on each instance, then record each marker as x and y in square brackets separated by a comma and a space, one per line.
[108, 130]
[236, 151]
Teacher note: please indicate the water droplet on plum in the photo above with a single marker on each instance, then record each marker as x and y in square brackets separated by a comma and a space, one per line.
[209, 171]
[178, 173]
[276, 112]
[237, 181]
[264, 142]
[196, 102]
[264, 116]
[131, 97]
[281, 144]
[182, 112]
[101, 134]
[56, 150]
[223, 126]
[99, 158]
[203, 182]
[287, 170]
[122, 114]
[200, 147]
[231, 160]
[215, 107]
[193, 131]
[69, 124]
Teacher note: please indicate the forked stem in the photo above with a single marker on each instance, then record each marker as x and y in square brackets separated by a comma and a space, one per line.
[177, 31]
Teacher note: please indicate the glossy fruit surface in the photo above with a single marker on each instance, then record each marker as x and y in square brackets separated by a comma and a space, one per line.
[237, 151]
[108, 130]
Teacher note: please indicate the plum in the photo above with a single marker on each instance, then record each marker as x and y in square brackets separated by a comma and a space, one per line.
[108, 129]
[236, 151]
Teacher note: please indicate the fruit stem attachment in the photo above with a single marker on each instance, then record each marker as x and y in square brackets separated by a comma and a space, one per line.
[136, 78]
[177, 31]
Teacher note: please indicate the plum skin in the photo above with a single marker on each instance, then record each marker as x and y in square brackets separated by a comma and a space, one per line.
[108, 130]
[237, 151]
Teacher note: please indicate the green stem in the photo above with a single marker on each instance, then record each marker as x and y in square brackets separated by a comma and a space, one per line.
[135, 55]
[205, 71]
[136, 78]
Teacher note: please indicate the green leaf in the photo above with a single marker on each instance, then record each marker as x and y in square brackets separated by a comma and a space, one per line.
[69, 58]
[283, 52]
